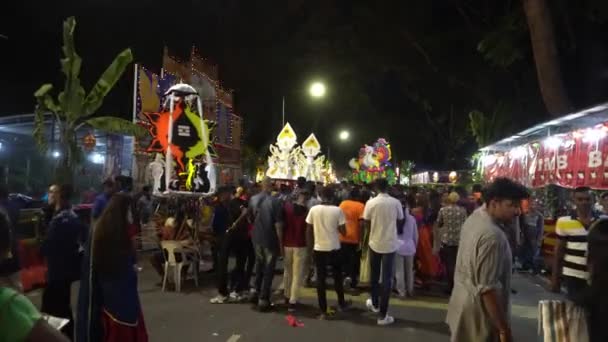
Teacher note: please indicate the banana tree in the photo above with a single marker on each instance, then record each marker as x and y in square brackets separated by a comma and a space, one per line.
[74, 108]
[488, 128]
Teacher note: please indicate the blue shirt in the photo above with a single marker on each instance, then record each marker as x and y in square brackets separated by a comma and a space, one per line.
[101, 201]
[61, 246]
[267, 212]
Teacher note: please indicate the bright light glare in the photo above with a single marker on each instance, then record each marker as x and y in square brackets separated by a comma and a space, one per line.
[593, 135]
[518, 152]
[317, 89]
[97, 158]
[344, 135]
[488, 159]
[553, 143]
[56, 154]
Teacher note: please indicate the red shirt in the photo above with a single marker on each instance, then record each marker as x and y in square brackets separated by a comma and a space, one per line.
[294, 233]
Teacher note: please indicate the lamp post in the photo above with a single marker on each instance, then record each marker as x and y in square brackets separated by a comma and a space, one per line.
[344, 135]
[317, 90]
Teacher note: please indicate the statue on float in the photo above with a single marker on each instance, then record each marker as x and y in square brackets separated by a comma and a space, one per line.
[373, 162]
[314, 165]
[183, 136]
[289, 161]
[280, 154]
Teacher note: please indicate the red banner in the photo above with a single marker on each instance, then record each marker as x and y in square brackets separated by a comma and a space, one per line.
[570, 160]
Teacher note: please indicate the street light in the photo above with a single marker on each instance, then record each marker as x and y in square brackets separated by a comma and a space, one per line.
[344, 135]
[317, 90]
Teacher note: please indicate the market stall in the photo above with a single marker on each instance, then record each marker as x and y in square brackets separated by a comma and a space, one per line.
[551, 158]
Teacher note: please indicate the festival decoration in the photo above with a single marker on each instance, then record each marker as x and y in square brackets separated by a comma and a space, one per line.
[281, 159]
[574, 159]
[183, 136]
[373, 162]
[288, 161]
[88, 142]
[311, 148]
[156, 170]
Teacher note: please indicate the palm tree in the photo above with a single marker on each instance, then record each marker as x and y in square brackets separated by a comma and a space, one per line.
[546, 57]
[73, 108]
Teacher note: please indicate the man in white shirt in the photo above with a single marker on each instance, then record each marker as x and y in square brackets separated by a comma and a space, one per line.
[382, 215]
[324, 222]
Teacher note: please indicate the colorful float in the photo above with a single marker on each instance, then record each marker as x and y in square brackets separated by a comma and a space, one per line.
[288, 161]
[374, 161]
[179, 132]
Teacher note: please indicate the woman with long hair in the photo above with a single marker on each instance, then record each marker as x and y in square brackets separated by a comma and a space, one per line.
[109, 307]
[427, 263]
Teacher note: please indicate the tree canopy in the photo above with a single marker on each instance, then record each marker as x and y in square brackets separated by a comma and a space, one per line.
[410, 71]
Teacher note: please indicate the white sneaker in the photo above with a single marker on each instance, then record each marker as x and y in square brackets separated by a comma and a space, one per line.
[219, 299]
[235, 297]
[370, 306]
[388, 320]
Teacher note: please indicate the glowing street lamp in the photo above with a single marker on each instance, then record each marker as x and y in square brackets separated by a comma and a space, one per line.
[317, 90]
[344, 135]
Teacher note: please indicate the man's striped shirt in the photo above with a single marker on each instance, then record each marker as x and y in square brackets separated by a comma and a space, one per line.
[574, 232]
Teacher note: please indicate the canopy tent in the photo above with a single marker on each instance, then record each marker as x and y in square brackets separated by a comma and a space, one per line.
[570, 151]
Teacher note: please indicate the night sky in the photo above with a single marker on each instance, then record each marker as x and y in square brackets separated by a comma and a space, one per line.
[408, 71]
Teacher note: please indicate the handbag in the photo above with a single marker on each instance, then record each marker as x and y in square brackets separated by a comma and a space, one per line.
[562, 321]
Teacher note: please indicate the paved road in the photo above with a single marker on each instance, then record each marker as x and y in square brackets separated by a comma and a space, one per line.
[188, 316]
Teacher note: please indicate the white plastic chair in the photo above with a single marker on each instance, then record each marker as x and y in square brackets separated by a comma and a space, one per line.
[171, 248]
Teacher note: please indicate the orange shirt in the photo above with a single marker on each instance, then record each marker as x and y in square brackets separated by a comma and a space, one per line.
[353, 212]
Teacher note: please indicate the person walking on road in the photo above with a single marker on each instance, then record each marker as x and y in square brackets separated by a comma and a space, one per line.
[325, 222]
[350, 243]
[404, 260]
[109, 308]
[267, 237]
[295, 251]
[61, 248]
[449, 222]
[233, 241]
[479, 307]
[570, 261]
[384, 216]
[532, 224]
[595, 299]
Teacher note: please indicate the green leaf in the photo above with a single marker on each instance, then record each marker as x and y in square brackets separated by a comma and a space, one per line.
[45, 101]
[72, 97]
[71, 100]
[72, 62]
[116, 125]
[43, 90]
[107, 80]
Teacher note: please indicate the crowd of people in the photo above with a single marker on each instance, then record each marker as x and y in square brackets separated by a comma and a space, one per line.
[102, 259]
[388, 237]
[397, 239]
[392, 238]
